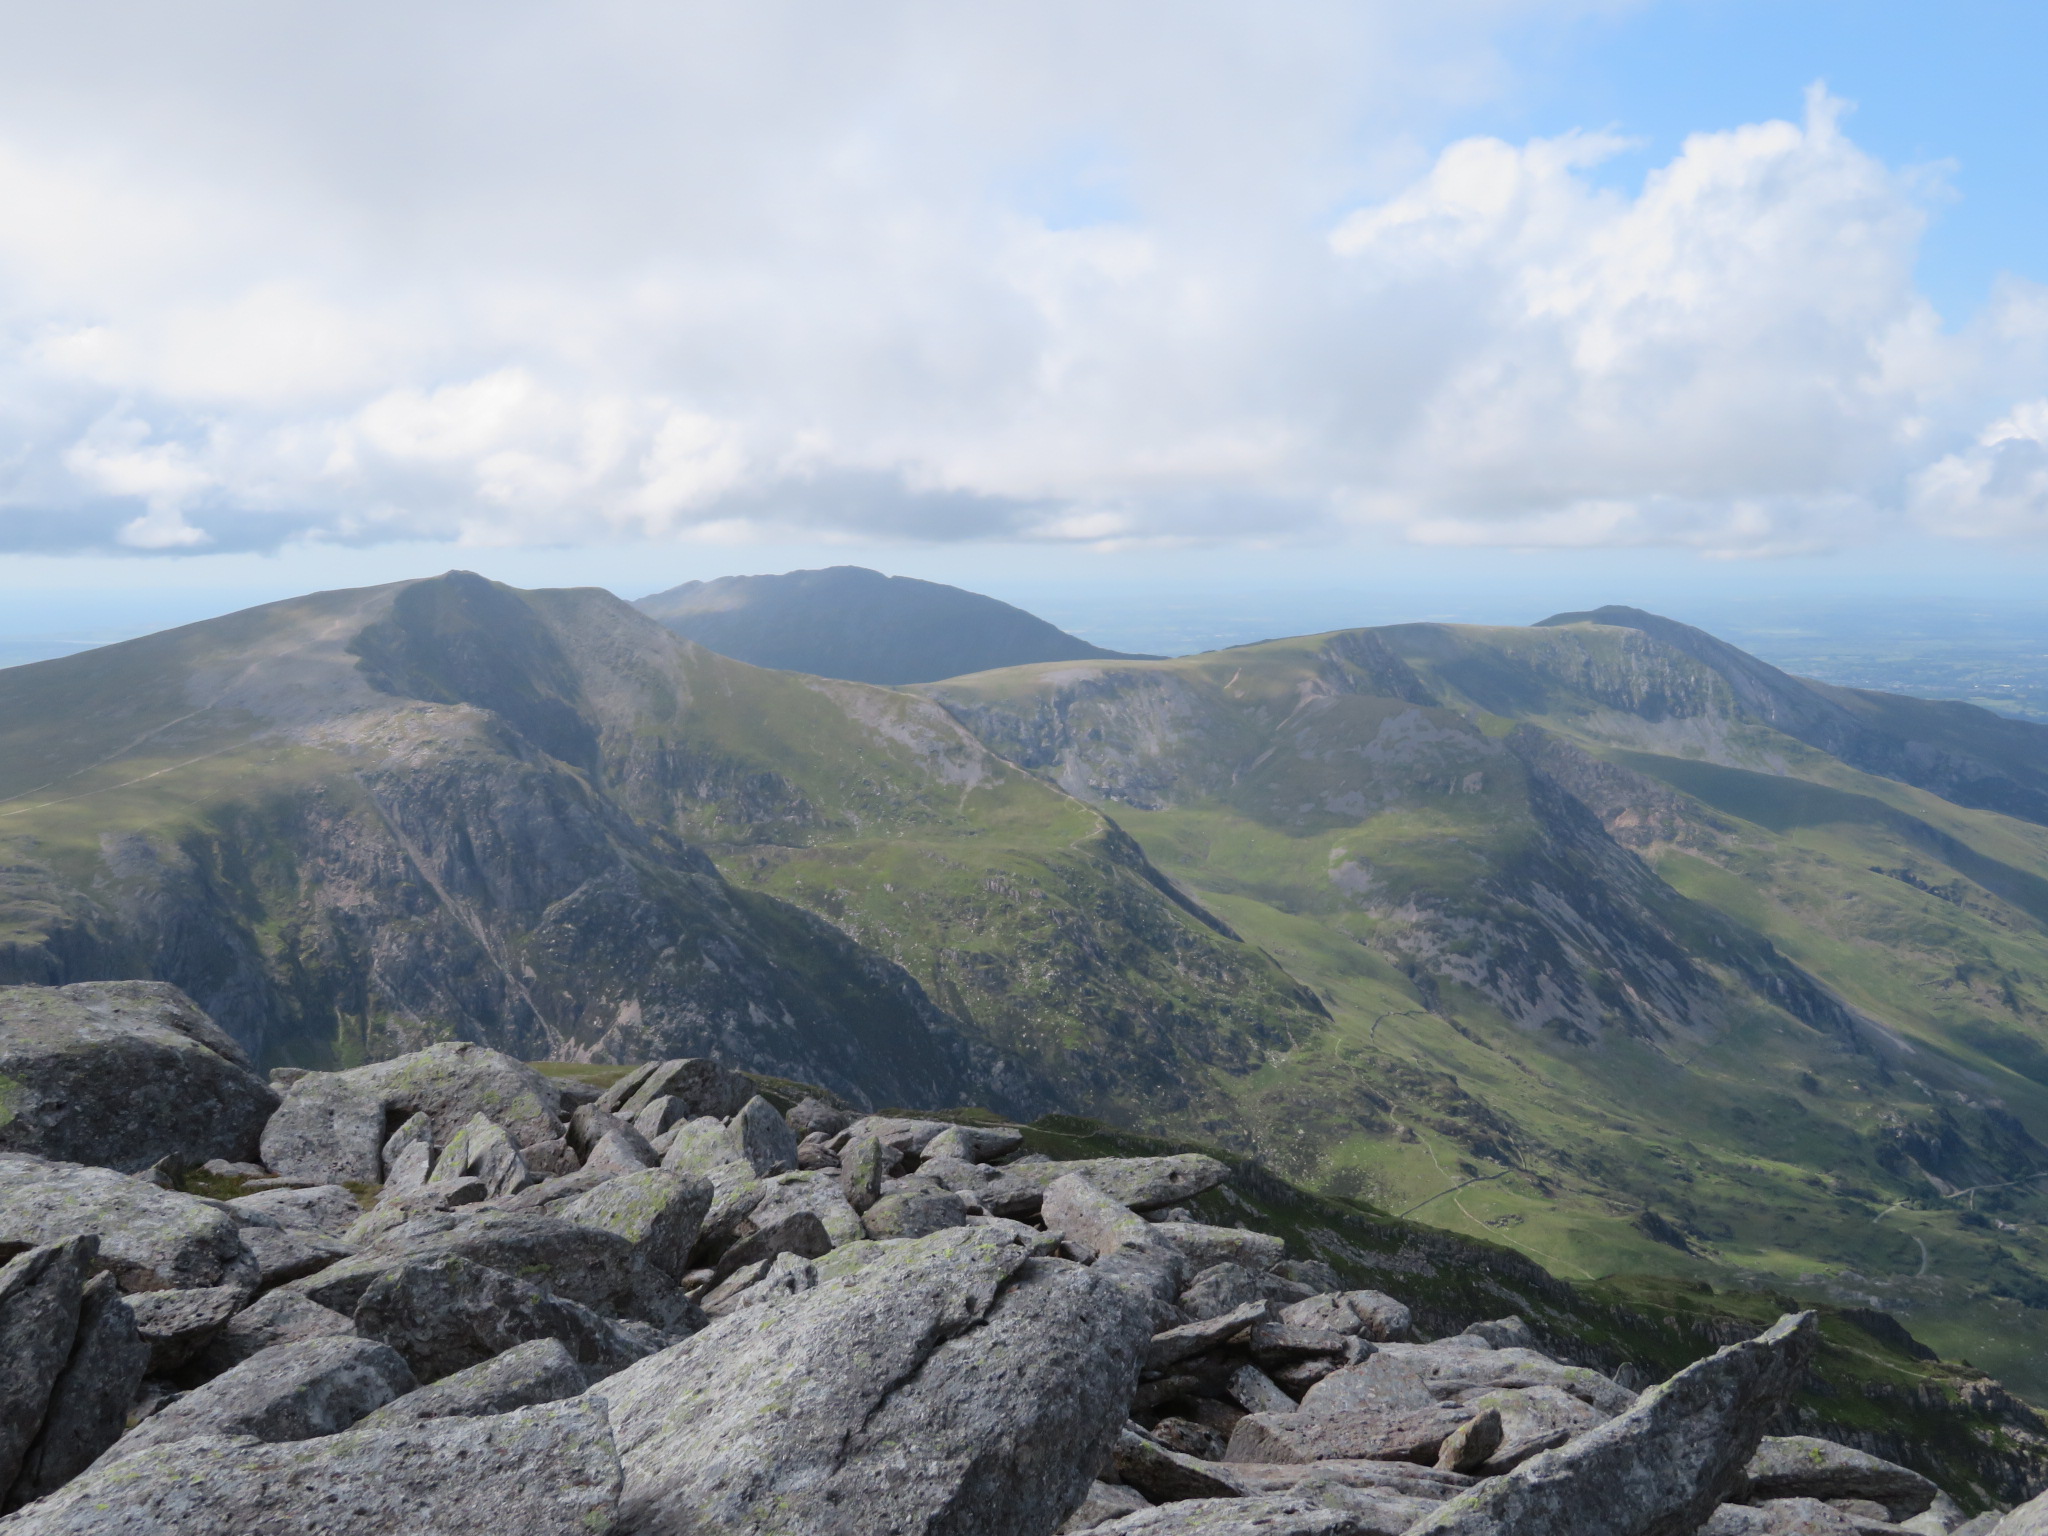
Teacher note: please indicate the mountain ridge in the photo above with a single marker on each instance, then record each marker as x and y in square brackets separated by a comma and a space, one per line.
[851, 623]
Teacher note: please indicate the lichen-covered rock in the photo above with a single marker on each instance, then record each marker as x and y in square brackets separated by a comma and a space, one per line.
[88, 1406]
[914, 1213]
[1322, 1508]
[974, 1143]
[699, 1087]
[1658, 1470]
[540, 1371]
[761, 1136]
[1362, 1434]
[176, 1325]
[543, 1471]
[1103, 1503]
[152, 1239]
[327, 1208]
[282, 1317]
[658, 1212]
[122, 1074]
[1139, 1183]
[598, 1270]
[283, 1254]
[447, 1313]
[860, 1172]
[1801, 1467]
[1201, 1246]
[817, 1192]
[951, 1382]
[332, 1126]
[288, 1392]
[483, 1150]
[1225, 1287]
[1369, 1314]
[40, 1292]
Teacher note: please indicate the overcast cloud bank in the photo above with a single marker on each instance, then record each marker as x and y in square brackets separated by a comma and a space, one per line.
[1164, 274]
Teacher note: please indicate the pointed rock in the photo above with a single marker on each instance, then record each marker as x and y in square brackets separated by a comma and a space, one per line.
[89, 1405]
[40, 1293]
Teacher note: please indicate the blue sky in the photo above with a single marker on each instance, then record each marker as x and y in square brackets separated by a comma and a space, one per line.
[1541, 303]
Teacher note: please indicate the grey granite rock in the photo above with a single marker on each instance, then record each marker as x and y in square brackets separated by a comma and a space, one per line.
[1533, 1420]
[2030, 1519]
[974, 1143]
[1801, 1467]
[1103, 1503]
[448, 1313]
[624, 1088]
[1225, 1287]
[282, 1317]
[1201, 1246]
[1362, 1434]
[660, 1213]
[813, 1117]
[121, 1074]
[398, 1155]
[945, 1383]
[702, 1146]
[797, 1232]
[761, 1136]
[543, 1471]
[1450, 1371]
[1324, 1508]
[1369, 1314]
[539, 1371]
[1473, 1444]
[1658, 1470]
[591, 1123]
[817, 1192]
[1256, 1392]
[659, 1116]
[88, 1406]
[283, 1254]
[1504, 1333]
[152, 1239]
[1140, 1183]
[1164, 1475]
[176, 1325]
[288, 1392]
[483, 1149]
[332, 1126]
[914, 1213]
[860, 1172]
[40, 1292]
[1177, 1344]
[760, 1284]
[700, 1087]
[599, 1270]
[327, 1208]
[1402, 1477]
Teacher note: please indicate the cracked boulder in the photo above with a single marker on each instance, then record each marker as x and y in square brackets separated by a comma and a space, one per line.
[88, 1404]
[539, 1371]
[40, 1293]
[948, 1382]
[123, 1074]
[151, 1239]
[288, 1392]
[332, 1126]
[1660, 1469]
[446, 1314]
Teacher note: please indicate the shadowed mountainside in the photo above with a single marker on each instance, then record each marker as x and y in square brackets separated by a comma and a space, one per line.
[859, 625]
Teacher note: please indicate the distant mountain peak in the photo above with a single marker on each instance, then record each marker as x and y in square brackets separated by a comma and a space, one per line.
[847, 621]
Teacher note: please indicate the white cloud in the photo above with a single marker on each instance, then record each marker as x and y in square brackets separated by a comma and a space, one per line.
[1059, 272]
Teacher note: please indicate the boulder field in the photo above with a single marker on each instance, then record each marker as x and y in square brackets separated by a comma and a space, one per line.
[456, 1295]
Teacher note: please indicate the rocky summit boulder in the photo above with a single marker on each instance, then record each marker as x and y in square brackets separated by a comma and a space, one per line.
[151, 1239]
[543, 1471]
[40, 1293]
[951, 1382]
[333, 1126]
[122, 1074]
[1658, 1470]
[89, 1401]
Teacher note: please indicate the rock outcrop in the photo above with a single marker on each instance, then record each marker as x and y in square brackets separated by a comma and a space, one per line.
[689, 1323]
[123, 1074]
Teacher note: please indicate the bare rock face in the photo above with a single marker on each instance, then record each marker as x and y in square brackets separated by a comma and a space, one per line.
[446, 1314]
[596, 1269]
[122, 1074]
[1800, 1467]
[543, 1471]
[660, 1213]
[541, 1371]
[333, 1126]
[88, 1406]
[945, 1383]
[152, 1239]
[288, 1392]
[1658, 1470]
[282, 1317]
[40, 1293]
